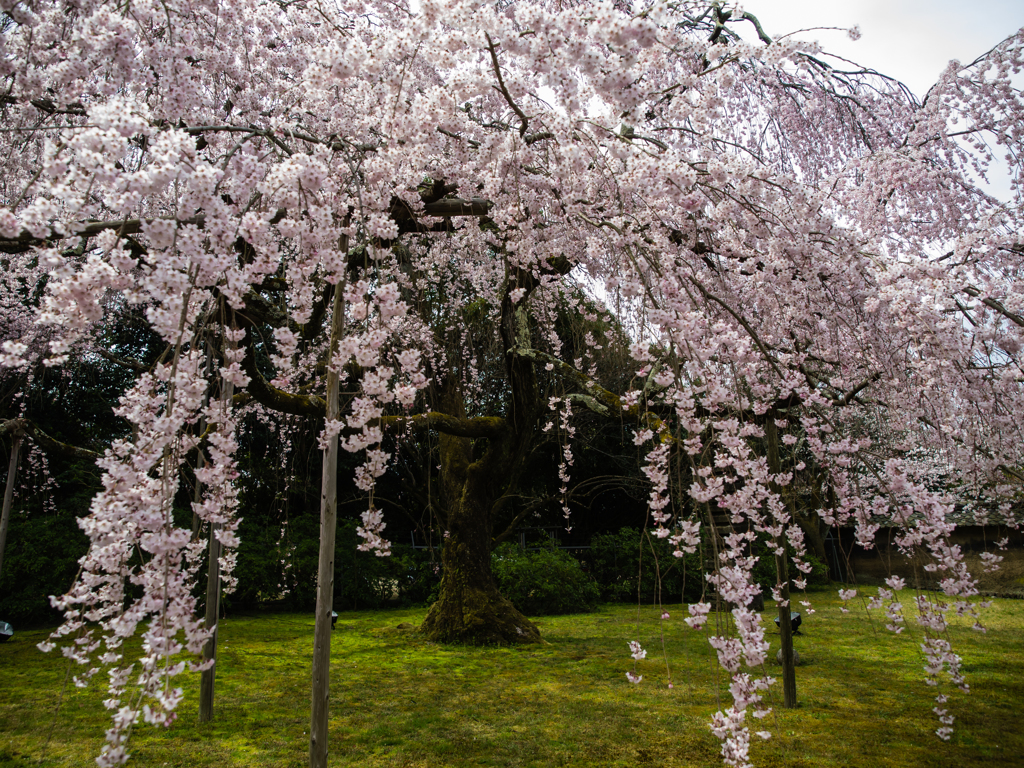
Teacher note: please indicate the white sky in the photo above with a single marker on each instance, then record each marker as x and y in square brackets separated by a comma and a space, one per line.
[911, 40]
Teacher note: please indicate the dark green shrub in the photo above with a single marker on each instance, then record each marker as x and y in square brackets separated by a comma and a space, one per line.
[363, 580]
[818, 577]
[630, 564]
[766, 574]
[41, 560]
[276, 568]
[543, 581]
[422, 576]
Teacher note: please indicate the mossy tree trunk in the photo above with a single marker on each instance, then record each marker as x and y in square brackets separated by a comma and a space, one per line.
[470, 609]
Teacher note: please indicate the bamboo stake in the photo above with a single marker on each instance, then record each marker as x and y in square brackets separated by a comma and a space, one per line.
[12, 471]
[325, 571]
[208, 677]
[771, 435]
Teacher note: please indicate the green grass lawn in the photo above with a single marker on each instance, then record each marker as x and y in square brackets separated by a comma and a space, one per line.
[398, 700]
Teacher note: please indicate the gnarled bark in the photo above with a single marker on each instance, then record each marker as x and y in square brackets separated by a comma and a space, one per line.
[470, 609]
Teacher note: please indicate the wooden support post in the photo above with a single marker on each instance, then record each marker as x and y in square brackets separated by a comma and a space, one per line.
[771, 435]
[325, 571]
[209, 676]
[12, 472]
[786, 634]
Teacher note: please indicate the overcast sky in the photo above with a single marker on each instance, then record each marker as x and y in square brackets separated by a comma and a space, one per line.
[911, 40]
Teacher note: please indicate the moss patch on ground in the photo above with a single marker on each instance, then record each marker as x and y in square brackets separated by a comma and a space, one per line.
[399, 700]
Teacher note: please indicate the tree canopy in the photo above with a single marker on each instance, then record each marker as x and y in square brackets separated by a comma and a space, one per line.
[295, 195]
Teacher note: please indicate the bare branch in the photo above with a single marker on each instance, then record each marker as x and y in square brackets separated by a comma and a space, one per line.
[472, 427]
[132, 364]
[524, 121]
[991, 303]
[44, 441]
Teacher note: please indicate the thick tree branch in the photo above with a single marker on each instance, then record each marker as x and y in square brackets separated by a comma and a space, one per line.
[991, 303]
[757, 25]
[597, 399]
[403, 216]
[590, 403]
[47, 106]
[852, 394]
[604, 402]
[44, 441]
[457, 426]
[845, 398]
[26, 240]
[456, 206]
[270, 396]
[523, 514]
[315, 326]
[134, 365]
[310, 405]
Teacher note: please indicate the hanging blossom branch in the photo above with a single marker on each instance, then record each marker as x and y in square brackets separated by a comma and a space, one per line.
[133, 513]
[219, 507]
[381, 385]
[566, 428]
[99, 615]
